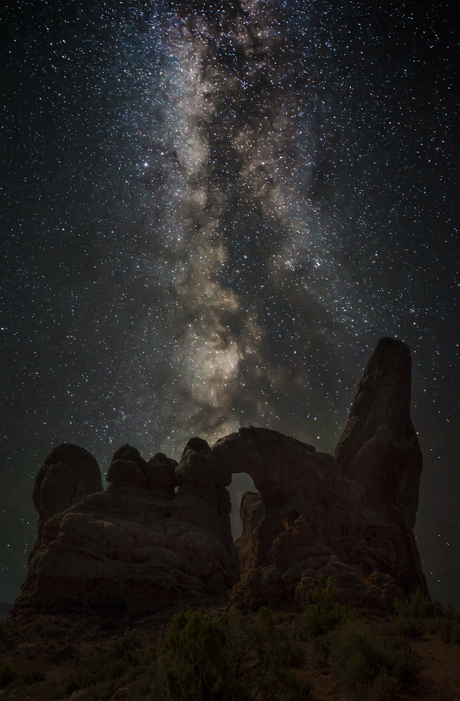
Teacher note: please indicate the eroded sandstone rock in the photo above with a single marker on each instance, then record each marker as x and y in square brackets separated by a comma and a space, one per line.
[379, 448]
[67, 474]
[139, 535]
[162, 529]
[251, 513]
[360, 507]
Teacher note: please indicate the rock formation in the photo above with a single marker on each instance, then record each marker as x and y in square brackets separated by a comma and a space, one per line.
[66, 476]
[251, 513]
[361, 506]
[379, 447]
[140, 535]
[162, 529]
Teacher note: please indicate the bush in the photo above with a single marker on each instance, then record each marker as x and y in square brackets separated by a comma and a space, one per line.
[36, 675]
[449, 628]
[7, 674]
[417, 606]
[325, 613]
[386, 686]
[206, 659]
[110, 664]
[373, 667]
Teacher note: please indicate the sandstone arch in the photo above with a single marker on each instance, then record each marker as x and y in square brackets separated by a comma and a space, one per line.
[162, 530]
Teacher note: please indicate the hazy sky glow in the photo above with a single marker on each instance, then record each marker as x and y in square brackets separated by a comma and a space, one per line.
[210, 213]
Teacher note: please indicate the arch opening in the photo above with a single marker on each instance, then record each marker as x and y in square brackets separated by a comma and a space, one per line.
[241, 483]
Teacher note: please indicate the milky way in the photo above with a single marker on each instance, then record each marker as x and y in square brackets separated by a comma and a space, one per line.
[210, 213]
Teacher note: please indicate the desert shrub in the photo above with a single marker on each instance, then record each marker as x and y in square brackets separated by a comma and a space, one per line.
[406, 627]
[410, 627]
[325, 613]
[418, 606]
[68, 651]
[107, 665]
[455, 635]
[322, 647]
[102, 691]
[140, 688]
[449, 627]
[7, 674]
[195, 665]
[206, 659]
[35, 675]
[385, 686]
[72, 685]
[54, 690]
[373, 667]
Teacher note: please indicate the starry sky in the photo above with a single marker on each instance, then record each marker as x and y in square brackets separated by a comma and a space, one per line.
[210, 212]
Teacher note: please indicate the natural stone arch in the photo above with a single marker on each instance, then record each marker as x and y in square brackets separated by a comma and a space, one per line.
[161, 530]
[361, 504]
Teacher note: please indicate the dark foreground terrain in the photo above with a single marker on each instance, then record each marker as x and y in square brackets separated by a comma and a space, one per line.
[318, 652]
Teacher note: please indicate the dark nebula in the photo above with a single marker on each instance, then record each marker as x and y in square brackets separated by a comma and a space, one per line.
[210, 213]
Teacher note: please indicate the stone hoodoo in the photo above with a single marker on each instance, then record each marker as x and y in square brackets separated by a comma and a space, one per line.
[161, 530]
[379, 447]
[66, 476]
[140, 535]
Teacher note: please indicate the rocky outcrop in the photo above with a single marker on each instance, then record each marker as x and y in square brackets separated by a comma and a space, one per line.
[302, 566]
[379, 448]
[162, 530]
[251, 513]
[140, 535]
[129, 469]
[357, 509]
[66, 476]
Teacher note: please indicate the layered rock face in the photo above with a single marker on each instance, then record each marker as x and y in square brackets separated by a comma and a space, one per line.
[66, 476]
[162, 529]
[379, 447]
[354, 513]
[140, 535]
[251, 513]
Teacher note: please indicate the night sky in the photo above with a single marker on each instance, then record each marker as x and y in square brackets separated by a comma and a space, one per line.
[210, 212]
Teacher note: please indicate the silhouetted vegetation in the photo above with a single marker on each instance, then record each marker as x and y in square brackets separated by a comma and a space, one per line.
[7, 674]
[110, 664]
[226, 659]
[419, 606]
[325, 613]
[371, 665]
[204, 657]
